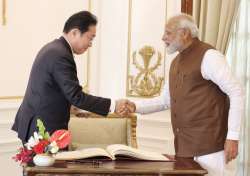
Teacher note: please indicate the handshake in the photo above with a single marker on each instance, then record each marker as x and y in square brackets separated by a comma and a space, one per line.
[124, 107]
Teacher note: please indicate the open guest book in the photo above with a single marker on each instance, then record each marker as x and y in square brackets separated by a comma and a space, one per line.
[112, 152]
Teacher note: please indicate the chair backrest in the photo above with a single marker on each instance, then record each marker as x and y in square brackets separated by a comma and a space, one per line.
[92, 130]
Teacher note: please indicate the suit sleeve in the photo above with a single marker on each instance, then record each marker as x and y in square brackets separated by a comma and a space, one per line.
[65, 75]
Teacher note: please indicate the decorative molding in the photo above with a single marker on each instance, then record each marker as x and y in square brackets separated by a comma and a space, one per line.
[129, 43]
[86, 86]
[187, 6]
[9, 142]
[9, 146]
[156, 144]
[154, 132]
[145, 84]
[5, 124]
[165, 48]
[161, 132]
[10, 104]
[156, 123]
[11, 97]
[4, 18]
[89, 5]
[155, 139]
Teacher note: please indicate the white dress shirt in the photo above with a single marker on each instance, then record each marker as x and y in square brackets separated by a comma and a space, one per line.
[214, 67]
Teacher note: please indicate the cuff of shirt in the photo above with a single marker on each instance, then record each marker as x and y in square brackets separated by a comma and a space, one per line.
[112, 106]
[139, 106]
[232, 135]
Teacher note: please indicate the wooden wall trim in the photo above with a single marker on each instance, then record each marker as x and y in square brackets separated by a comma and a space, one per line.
[187, 6]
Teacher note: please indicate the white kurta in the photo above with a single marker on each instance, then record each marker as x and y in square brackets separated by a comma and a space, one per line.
[215, 68]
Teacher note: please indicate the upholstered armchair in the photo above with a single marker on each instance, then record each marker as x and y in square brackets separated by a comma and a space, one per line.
[91, 130]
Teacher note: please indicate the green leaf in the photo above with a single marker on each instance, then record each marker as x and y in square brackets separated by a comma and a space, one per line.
[41, 129]
[46, 136]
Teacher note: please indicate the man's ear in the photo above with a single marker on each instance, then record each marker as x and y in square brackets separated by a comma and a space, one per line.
[74, 31]
[186, 33]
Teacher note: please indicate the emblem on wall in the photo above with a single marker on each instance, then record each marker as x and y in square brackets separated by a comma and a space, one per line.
[144, 79]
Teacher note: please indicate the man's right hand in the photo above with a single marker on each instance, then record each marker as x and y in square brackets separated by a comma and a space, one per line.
[231, 150]
[124, 107]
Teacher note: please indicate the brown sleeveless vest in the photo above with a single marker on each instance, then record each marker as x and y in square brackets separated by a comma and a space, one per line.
[199, 109]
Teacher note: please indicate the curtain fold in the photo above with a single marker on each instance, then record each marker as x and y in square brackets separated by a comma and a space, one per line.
[215, 19]
[238, 55]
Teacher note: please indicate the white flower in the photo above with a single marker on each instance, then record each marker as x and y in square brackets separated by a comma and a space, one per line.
[53, 147]
[33, 140]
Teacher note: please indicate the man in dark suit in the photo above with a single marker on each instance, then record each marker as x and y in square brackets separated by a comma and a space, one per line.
[53, 84]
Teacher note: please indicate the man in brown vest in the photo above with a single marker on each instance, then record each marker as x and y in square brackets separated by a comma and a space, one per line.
[206, 101]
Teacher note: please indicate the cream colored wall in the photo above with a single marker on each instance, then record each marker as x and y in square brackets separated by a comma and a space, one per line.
[110, 62]
[31, 24]
[9, 143]
[109, 52]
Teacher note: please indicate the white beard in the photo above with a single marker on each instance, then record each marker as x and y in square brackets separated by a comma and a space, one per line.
[173, 47]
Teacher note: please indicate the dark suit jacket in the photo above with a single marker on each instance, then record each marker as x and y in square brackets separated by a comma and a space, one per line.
[53, 86]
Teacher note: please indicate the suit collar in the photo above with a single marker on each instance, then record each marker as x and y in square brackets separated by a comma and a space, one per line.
[66, 44]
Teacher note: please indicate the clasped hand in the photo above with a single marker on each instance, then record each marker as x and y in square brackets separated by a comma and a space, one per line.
[124, 107]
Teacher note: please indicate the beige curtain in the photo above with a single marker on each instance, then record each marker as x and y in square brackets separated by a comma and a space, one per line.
[238, 55]
[214, 19]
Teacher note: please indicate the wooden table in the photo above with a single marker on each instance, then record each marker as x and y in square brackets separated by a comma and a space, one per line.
[181, 167]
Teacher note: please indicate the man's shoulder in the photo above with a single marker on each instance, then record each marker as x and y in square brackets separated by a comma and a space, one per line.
[55, 47]
[54, 50]
[213, 53]
[206, 45]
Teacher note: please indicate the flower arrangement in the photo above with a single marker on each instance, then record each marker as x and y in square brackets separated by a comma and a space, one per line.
[42, 143]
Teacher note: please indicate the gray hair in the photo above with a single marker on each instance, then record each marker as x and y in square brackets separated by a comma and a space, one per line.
[187, 22]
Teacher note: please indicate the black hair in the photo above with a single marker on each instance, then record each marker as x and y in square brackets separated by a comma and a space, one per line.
[81, 20]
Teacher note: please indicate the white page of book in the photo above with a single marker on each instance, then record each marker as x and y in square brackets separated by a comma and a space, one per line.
[80, 154]
[137, 153]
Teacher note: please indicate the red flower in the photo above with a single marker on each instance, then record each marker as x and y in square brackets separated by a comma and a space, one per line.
[40, 147]
[24, 155]
[61, 137]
